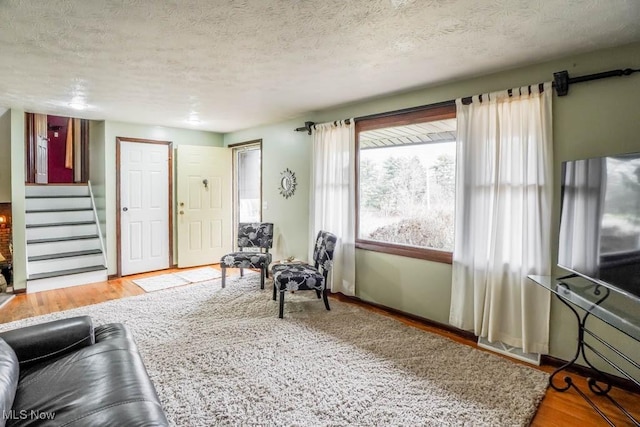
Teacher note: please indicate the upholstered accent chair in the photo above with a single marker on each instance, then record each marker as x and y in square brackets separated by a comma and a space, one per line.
[254, 241]
[297, 277]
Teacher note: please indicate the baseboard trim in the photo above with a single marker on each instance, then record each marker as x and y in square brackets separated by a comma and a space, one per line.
[583, 371]
[19, 291]
[467, 335]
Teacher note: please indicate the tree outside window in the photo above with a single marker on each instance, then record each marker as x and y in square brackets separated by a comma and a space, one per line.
[406, 191]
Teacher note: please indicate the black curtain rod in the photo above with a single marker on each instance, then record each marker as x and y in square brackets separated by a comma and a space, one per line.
[561, 82]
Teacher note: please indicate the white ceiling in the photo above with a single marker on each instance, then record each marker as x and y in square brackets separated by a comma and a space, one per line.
[234, 64]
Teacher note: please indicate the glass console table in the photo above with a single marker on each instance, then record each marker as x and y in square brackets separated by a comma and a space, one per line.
[615, 309]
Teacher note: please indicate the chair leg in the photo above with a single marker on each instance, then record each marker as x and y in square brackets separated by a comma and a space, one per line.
[326, 300]
[319, 293]
[281, 314]
[242, 272]
[267, 271]
[224, 274]
[262, 270]
[274, 290]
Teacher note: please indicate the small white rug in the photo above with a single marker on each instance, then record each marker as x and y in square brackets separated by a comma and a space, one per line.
[166, 281]
[199, 275]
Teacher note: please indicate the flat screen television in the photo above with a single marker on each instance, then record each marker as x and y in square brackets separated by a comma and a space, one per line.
[600, 221]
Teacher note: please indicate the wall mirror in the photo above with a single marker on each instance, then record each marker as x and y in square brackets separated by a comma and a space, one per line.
[287, 183]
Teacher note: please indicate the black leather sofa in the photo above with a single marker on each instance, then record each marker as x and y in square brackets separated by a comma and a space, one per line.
[65, 373]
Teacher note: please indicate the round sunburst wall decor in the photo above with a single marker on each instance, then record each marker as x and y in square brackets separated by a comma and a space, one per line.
[287, 183]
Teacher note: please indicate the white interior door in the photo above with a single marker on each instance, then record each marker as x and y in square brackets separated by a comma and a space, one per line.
[204, 204]
[144, 207]
[42, 148]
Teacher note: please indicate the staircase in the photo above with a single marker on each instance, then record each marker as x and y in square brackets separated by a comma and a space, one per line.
[64, 244]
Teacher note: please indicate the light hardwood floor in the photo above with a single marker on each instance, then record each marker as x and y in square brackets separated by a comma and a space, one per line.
[556, 409]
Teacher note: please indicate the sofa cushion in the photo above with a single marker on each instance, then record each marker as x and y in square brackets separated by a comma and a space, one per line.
[9, 373]
[105, 384]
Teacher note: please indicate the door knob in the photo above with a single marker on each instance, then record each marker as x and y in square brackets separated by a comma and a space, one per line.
[181, 212]
[125, 209]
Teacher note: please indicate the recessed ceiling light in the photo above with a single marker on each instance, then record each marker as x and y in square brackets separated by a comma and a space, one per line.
[194, 119]
[78, 104]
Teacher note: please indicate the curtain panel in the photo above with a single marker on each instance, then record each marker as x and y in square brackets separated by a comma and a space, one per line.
[504, 177]
[332, 198]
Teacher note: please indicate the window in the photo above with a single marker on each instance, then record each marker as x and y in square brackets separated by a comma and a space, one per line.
[247, 159]
[406, 183]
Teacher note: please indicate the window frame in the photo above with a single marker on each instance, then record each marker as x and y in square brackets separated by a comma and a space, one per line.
[255, 144]
[424, 114]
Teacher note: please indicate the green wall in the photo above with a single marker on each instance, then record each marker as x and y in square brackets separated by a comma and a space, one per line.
[17, 200]
[5, 158]
[98, 171]
[283, 148]
[596, 118]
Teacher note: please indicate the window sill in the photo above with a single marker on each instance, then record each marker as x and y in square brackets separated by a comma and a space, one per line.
[406, 251]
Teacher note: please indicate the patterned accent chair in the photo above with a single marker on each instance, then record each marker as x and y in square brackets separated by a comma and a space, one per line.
[251, 235]
[297, 277]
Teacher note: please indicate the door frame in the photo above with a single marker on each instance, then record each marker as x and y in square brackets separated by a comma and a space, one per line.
[31, 149]
[169, 144]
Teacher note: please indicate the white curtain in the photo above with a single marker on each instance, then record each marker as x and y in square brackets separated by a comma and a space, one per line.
[504, 192]
[332, 195]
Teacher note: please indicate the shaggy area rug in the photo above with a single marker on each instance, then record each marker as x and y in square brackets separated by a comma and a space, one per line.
[222, 357]
[171, 280]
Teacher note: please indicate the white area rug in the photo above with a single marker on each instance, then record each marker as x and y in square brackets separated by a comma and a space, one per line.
[165, 281]
[222, 357]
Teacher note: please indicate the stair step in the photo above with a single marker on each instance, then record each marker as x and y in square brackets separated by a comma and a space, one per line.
[56, 190]
[61, 239]
[63, 215]
[66, 272]
[65, 255]
[58, 231]
[45, 203]
[60, 224]
[58, 197]
[58, 210]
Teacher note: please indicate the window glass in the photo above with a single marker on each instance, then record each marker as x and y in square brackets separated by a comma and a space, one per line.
[248, 184]
[406, 184]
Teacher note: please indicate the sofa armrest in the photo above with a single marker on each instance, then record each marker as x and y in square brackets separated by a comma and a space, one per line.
[37, 343]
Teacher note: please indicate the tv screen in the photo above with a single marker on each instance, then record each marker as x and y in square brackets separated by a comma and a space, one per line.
[600, 221]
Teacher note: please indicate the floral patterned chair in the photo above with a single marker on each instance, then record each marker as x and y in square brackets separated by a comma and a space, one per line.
[297, 277]
[251, 235]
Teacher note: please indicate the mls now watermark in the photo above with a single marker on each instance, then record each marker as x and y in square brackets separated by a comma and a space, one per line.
[25, 414]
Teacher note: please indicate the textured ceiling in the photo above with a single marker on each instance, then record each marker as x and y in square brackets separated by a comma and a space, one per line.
[236, 64]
